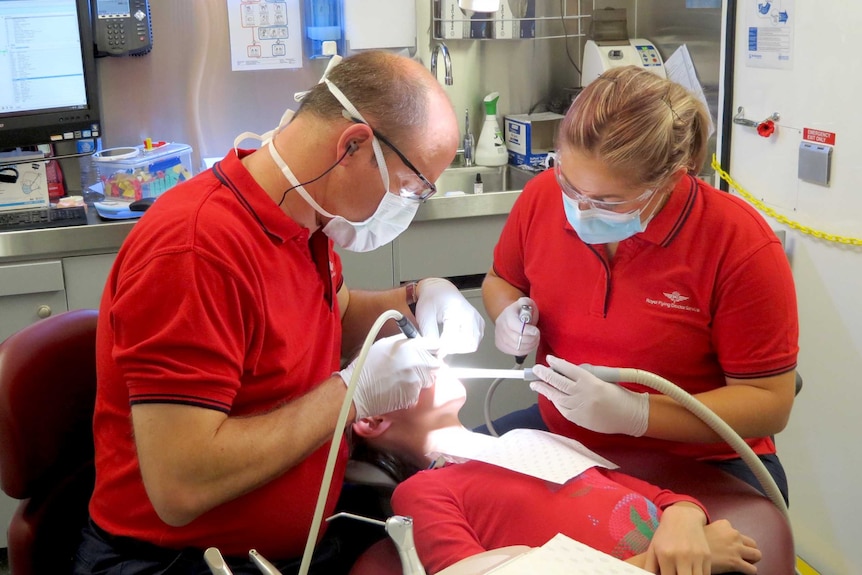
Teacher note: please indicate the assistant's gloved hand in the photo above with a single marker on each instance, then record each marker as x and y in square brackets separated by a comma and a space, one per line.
[590, 402]
[507, 329]
[395, 370]
[440, 302]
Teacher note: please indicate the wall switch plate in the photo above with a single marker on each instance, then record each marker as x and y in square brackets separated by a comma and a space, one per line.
[815, 163]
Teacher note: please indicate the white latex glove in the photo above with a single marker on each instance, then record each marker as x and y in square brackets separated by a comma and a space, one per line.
[440, 302]
[507, 329]
[396, 369]
[590, 402]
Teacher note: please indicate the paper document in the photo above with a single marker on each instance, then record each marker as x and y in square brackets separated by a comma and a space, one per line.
[564, 556]
[536, 453]
[680, 68]
[264, 34]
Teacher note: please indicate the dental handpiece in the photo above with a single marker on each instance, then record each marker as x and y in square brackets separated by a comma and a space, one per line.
[262, 563]
[407, 328]
[526, 316]
[216, 562]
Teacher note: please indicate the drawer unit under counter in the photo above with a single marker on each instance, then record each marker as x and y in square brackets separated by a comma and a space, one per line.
[447, 248]
[29, 292]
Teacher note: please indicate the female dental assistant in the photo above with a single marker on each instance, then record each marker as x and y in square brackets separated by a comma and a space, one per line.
[629, 260]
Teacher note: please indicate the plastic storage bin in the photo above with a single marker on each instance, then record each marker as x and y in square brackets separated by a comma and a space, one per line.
[136, 173]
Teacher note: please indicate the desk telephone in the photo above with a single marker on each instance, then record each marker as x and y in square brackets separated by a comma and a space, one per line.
[122, 27]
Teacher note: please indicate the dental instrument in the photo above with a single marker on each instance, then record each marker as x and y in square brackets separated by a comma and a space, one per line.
[335, 443]
[265, 566]
[216, 562]
[526, 316]
[525, 374]
[400, 530]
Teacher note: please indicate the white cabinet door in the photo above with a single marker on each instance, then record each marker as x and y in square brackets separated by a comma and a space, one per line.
[369, 270]
[85, 279]
[29, 292]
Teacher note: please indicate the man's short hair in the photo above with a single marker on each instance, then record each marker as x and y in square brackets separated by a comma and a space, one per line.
[390, 95]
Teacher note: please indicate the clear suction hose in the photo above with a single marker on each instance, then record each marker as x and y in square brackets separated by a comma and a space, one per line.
[660, 384]
[317, 518]
[715, 423]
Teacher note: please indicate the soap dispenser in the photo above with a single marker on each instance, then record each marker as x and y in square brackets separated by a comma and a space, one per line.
[491, 149]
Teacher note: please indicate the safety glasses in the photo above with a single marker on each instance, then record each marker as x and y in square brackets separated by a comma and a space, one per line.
[421, 190]
[581, 198]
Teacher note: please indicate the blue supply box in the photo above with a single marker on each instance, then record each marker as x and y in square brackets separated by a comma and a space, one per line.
[529, 137]
[515, 19]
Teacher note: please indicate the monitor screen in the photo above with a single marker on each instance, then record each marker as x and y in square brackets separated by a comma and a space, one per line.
[48, 87]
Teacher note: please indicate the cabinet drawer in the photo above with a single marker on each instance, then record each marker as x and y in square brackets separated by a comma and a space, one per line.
[447, 248]
[33, 277]
[19, 311]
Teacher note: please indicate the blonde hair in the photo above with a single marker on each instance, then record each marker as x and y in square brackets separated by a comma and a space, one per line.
[638, 123]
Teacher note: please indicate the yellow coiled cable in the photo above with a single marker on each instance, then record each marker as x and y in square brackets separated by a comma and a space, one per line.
[780, 217]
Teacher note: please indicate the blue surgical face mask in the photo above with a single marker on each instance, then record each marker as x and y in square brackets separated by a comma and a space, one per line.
[598, 226]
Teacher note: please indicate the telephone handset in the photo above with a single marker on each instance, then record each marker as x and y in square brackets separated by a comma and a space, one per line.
[122, 27]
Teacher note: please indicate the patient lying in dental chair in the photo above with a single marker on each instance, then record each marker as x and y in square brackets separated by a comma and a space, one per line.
[460, 510]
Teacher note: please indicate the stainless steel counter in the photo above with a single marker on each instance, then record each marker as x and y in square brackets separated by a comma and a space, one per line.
[99, 236]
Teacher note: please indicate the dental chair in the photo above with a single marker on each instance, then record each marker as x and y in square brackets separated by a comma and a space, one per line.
[47, 397]
[724, 496]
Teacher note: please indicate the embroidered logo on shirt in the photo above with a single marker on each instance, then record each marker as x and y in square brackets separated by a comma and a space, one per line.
[675, 297]
[674, 301]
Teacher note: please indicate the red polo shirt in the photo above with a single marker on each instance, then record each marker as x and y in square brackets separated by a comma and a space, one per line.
[704, 293]
[461, 510]
[218, 300]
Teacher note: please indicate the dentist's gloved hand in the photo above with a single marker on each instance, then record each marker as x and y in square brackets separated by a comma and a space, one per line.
[440, 302]
[507, 329]
[396, 369]
[590, 402]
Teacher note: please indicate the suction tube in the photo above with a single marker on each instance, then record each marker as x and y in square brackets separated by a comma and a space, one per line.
[658, 383]
[317, 518]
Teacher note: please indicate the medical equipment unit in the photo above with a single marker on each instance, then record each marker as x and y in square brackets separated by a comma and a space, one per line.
[610, 47]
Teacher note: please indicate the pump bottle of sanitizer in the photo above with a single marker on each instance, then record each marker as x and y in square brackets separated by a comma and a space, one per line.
[491, 149]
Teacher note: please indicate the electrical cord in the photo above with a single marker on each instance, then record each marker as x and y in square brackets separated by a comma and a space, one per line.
[336, 438]
[566, 39]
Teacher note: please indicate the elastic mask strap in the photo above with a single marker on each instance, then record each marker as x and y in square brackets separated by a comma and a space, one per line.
[333, 62]
[267, 136]
[294, 182]
[352, 112]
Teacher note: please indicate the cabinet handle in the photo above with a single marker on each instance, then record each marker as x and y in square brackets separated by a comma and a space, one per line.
[43, 311]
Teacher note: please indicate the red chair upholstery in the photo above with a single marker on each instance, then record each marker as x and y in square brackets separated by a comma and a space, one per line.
[47, 396]
[725, 496]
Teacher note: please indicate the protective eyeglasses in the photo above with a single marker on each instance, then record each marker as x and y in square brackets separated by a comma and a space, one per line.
[418, 191]
[581, 198]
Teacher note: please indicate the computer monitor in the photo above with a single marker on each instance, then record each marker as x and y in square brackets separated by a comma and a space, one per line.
[48, 86]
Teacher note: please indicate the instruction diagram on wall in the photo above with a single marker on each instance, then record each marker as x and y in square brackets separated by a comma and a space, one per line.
[770, 33]
[264, 34]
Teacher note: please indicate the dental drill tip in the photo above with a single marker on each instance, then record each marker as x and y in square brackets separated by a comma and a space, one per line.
[261, 562]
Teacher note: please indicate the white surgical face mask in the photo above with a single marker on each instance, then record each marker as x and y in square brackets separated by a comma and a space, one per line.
[392, 216]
